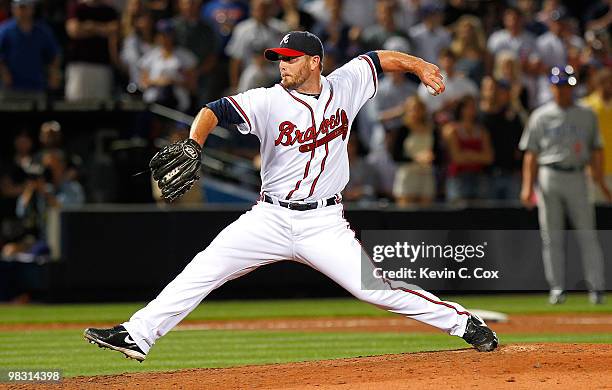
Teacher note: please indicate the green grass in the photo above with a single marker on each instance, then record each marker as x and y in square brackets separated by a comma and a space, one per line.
[227, 310]
[67, 350]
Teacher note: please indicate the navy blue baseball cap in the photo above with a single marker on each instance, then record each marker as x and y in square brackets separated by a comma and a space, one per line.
[296, 44]
[563, 75]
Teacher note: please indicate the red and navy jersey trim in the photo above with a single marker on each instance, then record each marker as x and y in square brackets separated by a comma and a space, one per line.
[368, 59]
[242, 113]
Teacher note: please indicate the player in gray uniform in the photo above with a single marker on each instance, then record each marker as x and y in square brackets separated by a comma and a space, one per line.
[560, 140]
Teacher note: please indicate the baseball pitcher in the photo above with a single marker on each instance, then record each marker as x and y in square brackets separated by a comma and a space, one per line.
[303, 124]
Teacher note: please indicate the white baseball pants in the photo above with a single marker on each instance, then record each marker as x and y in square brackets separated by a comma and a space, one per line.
[320, 238]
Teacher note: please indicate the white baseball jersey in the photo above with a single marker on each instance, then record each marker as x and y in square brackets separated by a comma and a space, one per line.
[304, 139]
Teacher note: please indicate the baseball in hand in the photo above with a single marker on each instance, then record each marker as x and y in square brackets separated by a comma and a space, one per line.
[431, 90]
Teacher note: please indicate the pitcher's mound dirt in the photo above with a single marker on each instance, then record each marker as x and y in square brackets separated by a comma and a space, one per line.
[516, 366]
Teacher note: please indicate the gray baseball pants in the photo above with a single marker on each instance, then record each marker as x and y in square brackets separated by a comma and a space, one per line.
[563, 193]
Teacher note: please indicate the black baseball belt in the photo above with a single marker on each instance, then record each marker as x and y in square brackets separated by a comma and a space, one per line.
[303, 206]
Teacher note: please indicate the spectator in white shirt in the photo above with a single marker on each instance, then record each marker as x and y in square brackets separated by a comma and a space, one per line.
[168, 73]
[429, 37]
[513, 37]
[260, 29]
[553, 46]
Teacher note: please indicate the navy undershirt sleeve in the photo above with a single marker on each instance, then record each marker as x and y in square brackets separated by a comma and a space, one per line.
[374, 56]
[225, 112]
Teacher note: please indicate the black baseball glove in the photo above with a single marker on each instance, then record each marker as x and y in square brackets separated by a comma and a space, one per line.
[176, 167]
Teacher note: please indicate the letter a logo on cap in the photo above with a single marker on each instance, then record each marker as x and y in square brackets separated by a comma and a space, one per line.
[285, 39]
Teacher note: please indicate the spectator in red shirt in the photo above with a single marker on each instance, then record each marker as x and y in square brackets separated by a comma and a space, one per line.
[470, 151]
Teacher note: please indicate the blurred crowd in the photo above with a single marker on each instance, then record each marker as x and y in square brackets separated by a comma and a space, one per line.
[407, 146]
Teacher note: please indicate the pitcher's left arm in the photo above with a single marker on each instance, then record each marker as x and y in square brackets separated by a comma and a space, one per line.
[394, 61]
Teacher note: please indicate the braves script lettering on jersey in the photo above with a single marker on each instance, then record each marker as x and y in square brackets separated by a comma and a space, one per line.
[331, 127]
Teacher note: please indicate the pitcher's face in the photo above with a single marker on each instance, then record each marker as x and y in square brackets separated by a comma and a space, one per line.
[295, 71]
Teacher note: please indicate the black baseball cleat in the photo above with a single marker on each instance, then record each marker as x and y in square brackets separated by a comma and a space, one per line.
[116, 338]
[480, 335]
